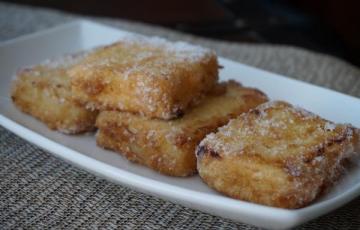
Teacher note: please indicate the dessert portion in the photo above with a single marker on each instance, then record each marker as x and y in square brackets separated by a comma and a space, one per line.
[44, 91]
[277, 155]
[149, 76]
[169, 146]
[157, 103]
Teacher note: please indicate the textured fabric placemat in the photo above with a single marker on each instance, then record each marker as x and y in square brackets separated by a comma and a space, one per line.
[38, 190]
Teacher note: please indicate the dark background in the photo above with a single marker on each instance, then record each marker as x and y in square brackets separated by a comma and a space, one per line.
[331, 26]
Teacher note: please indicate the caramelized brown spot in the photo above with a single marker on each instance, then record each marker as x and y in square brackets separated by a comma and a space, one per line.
[214, 154]
[337, 140]
[202, 150]
[178, 113]
[320, 151]
[256, 112]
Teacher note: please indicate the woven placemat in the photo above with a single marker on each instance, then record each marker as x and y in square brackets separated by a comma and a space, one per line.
[38, 190]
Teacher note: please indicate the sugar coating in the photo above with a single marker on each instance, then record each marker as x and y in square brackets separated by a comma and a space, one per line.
[147, 75]
[44, 92]
[238, 134]
[66, 60]
[179, 49]
[58, 63]
[278, 155]
[145, 48]
[168, 146]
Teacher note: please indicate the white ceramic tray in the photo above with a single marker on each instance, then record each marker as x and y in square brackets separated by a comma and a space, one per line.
[191, 192]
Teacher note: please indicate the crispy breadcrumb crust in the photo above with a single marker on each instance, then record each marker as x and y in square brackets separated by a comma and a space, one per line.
[169, 146]
[149, 76]
[44, 92]
[276, 155]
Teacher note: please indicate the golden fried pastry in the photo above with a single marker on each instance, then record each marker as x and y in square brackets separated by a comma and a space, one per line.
[44, 91]
[149, 76]
[276, 155]
[169, 146]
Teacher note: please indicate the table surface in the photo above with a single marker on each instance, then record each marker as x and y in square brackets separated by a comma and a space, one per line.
[38, 190]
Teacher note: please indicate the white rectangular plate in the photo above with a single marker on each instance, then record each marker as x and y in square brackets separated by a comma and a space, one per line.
[191, 192]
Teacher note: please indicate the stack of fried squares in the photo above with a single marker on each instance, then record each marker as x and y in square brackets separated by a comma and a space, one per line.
[155, 99]
[157, 102]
